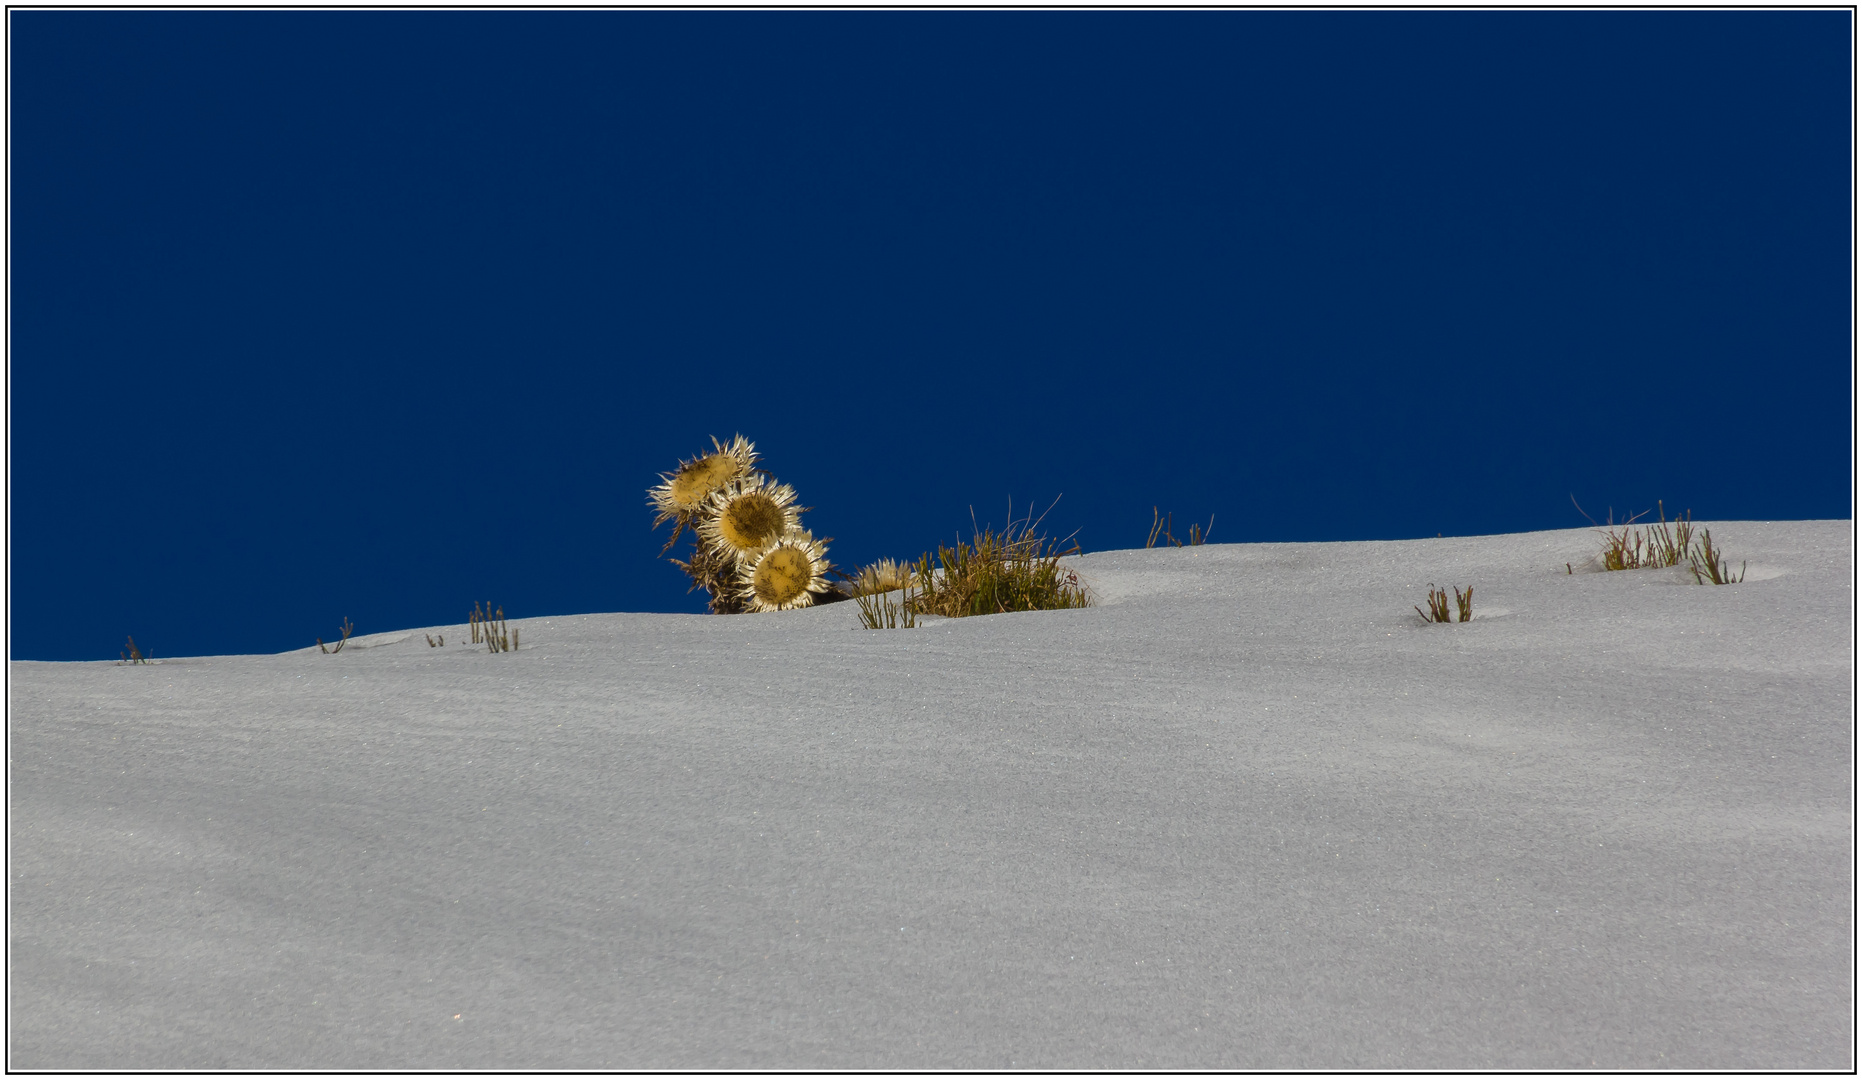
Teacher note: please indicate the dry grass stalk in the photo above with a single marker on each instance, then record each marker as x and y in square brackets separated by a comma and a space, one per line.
[432, 644]
[1438, 605]
[879, 611]
[346, 628]
[134, 656]
[1160, 528]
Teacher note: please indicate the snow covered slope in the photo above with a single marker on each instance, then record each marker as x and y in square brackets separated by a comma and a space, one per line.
[1249, 811]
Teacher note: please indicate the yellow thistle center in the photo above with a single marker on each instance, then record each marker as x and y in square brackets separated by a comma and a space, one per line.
[783, 576]
[701, 478]
[751, 521]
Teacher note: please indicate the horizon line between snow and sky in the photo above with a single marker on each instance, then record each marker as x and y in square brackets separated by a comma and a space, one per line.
[373, 314]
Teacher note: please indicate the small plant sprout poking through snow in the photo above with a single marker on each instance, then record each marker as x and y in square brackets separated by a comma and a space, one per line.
[1708, 566]
[786, 574]
[346, 628]
[488, 627]
[1438, 605]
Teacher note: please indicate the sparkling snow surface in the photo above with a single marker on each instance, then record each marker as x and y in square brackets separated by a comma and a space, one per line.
[1249, 811]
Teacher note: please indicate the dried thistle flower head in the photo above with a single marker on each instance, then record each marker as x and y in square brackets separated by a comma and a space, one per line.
[682, 492]
[883, 576]
[748, 516]
[786, 574]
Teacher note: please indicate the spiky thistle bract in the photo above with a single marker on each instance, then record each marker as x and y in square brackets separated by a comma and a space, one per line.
[681, 494]
[786, 574]
[886, 575]
[746, 516]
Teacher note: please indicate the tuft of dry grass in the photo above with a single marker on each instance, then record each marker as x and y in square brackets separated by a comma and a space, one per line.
[133, 656]
[1438, 605]
[1017, 569]
[1664, 544]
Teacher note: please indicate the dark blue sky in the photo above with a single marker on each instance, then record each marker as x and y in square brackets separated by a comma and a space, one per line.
[370, 314]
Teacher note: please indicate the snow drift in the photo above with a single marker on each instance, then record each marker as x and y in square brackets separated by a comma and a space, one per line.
[1248, 811]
